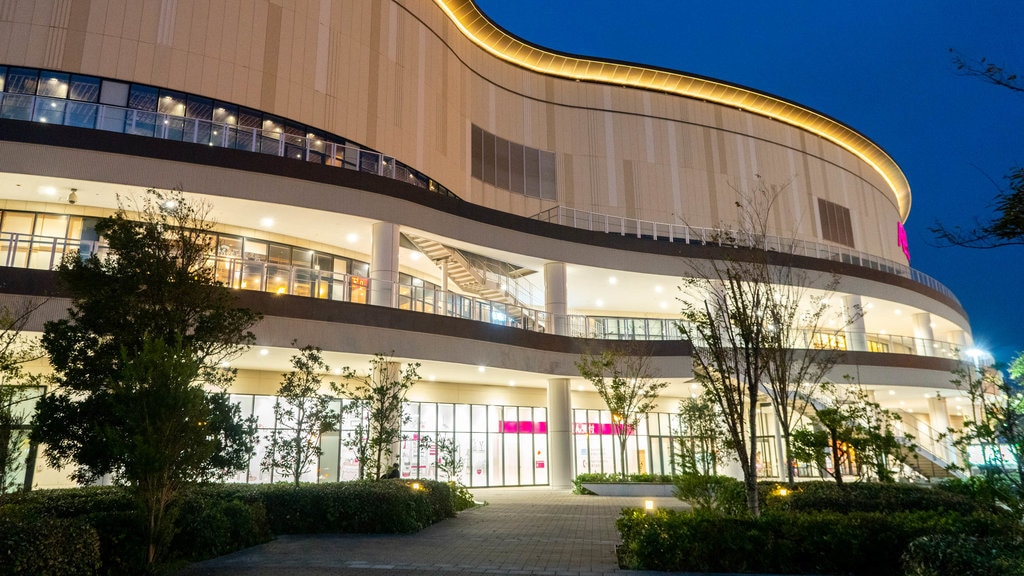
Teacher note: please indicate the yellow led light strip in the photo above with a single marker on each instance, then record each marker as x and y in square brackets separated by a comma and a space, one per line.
[482, 32]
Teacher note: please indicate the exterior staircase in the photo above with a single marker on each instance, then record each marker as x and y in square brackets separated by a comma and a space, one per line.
[461, 271]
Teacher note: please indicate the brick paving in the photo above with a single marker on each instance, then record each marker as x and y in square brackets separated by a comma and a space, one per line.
[535, 531]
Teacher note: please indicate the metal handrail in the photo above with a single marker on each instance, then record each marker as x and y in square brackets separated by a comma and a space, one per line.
[609, 224]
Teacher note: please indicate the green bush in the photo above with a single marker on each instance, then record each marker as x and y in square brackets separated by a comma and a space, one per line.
[213, 521]
[939, 555]
[462, 498]
[389, 506]
[713, 494]
[868, 497]
[48, 547]
[603, 478]
[867, 543]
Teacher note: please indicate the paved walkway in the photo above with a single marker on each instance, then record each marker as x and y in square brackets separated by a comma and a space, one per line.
[535, 531]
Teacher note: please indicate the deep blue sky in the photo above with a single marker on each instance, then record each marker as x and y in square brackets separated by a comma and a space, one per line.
[879, 66]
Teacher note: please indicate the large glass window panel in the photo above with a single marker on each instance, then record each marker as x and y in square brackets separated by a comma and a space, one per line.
[445, 418]
[3, 77]
[81, 114]
[84, 88]
[171, 103]
[330, 443]
[478, 459]
[51, 225]
[271, 135]
[53, 84]
[21, 80]
[462, 418]
[49, 111]
[142, 97]
[479, 418]
[18, 222]
[17, 107]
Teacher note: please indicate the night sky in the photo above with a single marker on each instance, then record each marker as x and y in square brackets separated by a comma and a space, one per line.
[884, 68]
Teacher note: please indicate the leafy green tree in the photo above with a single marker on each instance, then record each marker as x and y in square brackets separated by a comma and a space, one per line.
[996, 426]
[450, 460]
[302, 414]
[849, 428]
[19, 388]
[137, 356]
[378, 399]
[701, 445]
[626, 382]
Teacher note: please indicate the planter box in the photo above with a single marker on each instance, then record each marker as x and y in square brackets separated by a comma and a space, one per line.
[633, 489]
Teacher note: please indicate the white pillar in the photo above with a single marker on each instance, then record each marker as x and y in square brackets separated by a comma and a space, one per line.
[560, 460]
[853, 313]
[923, 336]
[556, 299]
[384, 264]
[962, 339]
[938, 414]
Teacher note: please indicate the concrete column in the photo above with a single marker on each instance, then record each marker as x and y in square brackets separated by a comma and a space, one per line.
[923, 336]
[384, 264]
[962, 339]
[853, 313]
[938, 414]
[560, 456]
[556, 299]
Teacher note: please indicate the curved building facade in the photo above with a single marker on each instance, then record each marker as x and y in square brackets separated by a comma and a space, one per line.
[406, 176]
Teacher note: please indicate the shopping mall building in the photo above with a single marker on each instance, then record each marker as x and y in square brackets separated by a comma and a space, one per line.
[406, 176]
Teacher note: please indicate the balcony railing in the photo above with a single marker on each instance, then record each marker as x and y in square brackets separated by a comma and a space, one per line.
[46, 252]
[721, 237]
[275, 142]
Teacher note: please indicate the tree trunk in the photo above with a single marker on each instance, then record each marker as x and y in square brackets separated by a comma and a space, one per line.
[789, 460]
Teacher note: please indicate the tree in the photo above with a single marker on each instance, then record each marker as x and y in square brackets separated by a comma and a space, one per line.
[18, 389]
[850, 429]
[701, 443]
[802, 345]
[137, 356]
[1007, 228]
[378, 399]
[624, 379]
[996, 426]
[302, 414]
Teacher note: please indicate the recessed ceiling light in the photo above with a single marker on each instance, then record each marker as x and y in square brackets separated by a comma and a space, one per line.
[351, 237]
[612, 280]
[599, 303]
[663, 304]
[264, 351]
[511, 382]
[337, 371]
[481, 369]
[892, 392]
[266, 222]
[657, 289]
[48, 191]
[881, 332]
[431, 377]
[897, 312]
[414, 255]
[869, 305]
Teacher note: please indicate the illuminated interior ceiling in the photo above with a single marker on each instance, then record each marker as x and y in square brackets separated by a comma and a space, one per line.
[485, 34]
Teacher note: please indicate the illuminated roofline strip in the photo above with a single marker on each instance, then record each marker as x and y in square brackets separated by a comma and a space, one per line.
[485, 34]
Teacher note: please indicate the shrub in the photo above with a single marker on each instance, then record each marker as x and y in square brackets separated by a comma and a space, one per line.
[212, 522]
[389, 506]
[603, 478]
[48, 547]
[713, 494]
[462, 499]
[938, 555]
[865, 543]
[868, 497]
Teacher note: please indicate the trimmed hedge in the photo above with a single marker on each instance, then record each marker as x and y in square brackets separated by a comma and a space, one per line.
[861, 543]
[48, 547]
[604, 478]
[964, 556]
[869, 497]
[74, 531]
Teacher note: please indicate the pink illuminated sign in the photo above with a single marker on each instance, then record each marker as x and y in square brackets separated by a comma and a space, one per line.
[901, 238]
[528, 427]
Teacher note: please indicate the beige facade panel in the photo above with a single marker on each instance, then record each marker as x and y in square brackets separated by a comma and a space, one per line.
[403, 78]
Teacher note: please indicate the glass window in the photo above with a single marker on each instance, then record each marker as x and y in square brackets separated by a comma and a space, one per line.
[84, 89]
[55, 225]
[17, 222]
[3, 75]
[360, 269]
[141, 97]
[17, 107]
[22, 80]
[201, 108]
[279, 254]
[225, 113]
[171, 103]
[114, 93]
[53, 84]
[49, 110]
